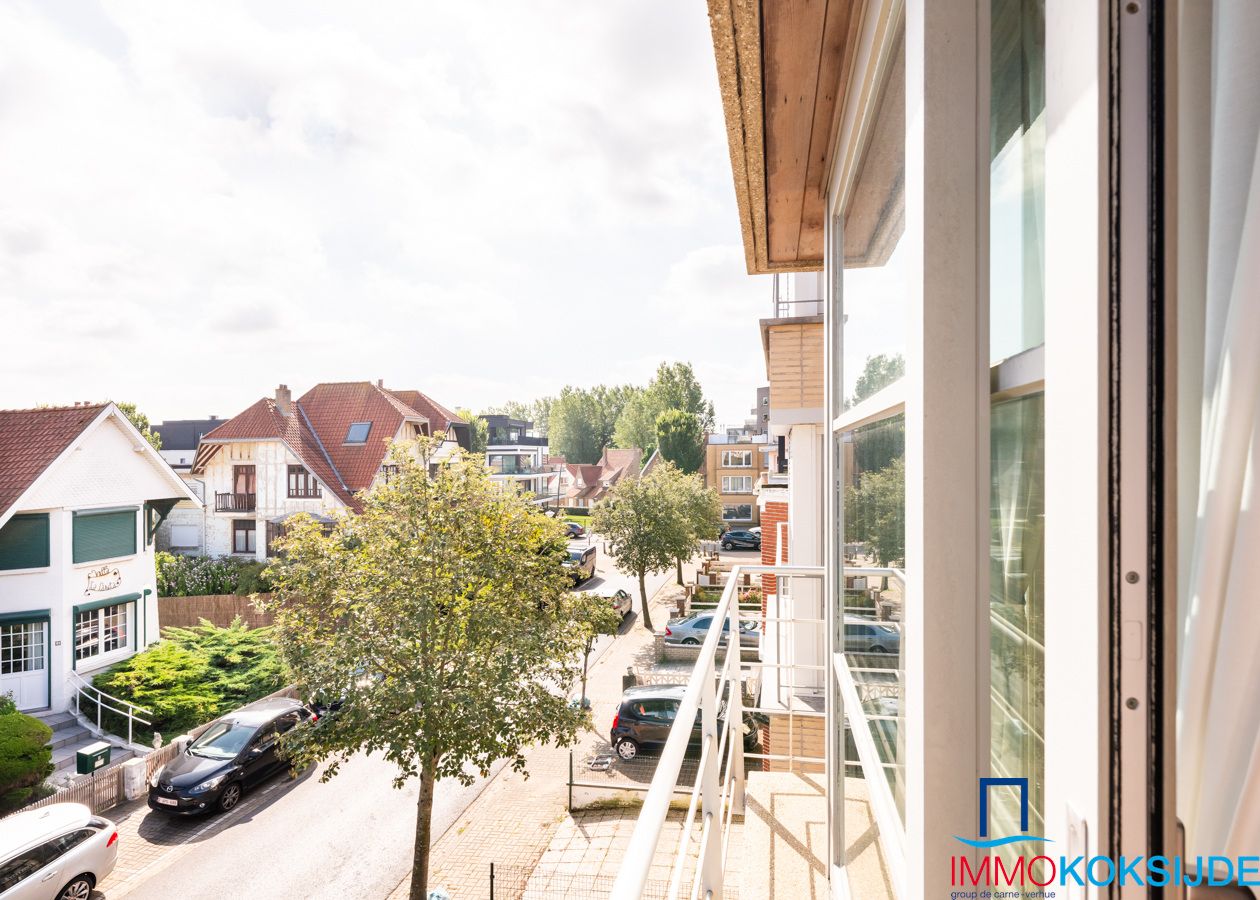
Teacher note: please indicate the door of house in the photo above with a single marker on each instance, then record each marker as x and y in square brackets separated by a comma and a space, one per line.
[243, 480]
[24, 663]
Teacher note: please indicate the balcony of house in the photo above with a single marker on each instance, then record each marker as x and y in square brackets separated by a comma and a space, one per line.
[519, 440]
[796, 296]
[762, 816]
[793, 348]
[235, 502]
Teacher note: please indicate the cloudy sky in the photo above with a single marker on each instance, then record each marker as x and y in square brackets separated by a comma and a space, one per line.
[481, 200]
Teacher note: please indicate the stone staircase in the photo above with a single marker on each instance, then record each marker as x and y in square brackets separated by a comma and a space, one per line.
[68, 738]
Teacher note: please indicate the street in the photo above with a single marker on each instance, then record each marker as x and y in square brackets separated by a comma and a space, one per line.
[297, 838]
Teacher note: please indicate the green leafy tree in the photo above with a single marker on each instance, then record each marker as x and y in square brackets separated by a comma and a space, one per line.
[880, 371]
[440, 617]
[676, 387]
[699, 512]
[478, 430]
[141, 421]
[25, 756]
[592, 615]
[640, 520]
[680, 439]
[874, 513]
[636, 426]
[574, 427]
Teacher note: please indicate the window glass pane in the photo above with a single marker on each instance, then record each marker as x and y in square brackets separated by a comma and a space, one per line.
[875, 277]
[358, 432]
[873, 461]
[1017, 141]
[1016, 593]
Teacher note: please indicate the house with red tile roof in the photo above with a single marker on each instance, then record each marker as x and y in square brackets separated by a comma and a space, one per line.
[588, 484]
[314, 454]
[81, 496]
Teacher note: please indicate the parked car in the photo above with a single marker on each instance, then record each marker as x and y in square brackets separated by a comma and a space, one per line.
[622, 602]
[235, 753]
[741, 540]
[693, 629]
[869, 636]
[581, 564]
[57, 852]
[647, 713]
[575, 530]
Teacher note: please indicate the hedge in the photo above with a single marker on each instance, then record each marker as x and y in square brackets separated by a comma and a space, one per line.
[25, 757]
[194, 576]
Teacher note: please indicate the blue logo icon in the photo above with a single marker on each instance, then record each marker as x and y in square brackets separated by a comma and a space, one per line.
[984, 840]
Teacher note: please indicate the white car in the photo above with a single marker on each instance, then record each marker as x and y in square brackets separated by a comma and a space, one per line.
[56, 852]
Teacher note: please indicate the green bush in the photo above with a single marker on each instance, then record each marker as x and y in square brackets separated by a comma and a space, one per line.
[193, 576]
[192, 676]
[25, 757]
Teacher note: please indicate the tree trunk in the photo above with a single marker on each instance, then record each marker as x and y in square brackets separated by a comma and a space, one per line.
[678, 563]
[586, 658]
[424, 819]
[647, 616]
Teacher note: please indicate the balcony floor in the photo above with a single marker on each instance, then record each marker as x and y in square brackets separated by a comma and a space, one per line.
[785, 840]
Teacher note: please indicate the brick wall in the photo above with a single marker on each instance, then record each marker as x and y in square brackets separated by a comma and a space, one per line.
[773, 513]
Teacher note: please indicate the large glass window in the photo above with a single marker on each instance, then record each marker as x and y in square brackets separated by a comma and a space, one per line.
[100, 631]
[21, 648]
[1017, 423]
[737, 484]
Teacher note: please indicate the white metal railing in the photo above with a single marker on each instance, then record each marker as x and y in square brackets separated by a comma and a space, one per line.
[84, 688]
[718, 794]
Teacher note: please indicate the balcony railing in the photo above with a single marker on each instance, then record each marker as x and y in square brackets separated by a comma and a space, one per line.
[235, 502]
[718, 794]
[308, 493]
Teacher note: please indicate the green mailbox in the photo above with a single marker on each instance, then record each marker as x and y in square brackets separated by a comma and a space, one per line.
[92, 757]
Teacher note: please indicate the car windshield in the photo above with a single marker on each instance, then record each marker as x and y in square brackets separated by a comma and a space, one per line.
[222, 740]
[575, 556]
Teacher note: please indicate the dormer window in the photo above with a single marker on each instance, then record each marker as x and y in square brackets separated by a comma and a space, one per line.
[358, 432]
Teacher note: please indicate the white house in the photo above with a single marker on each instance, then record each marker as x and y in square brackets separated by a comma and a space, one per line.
[283, 456]
[81, 496]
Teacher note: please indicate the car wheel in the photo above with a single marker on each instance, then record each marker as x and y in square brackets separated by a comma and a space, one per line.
[691, 642]
[79, 889]
[230, 797]
[627, 749]
[876, 649]
[726, 546]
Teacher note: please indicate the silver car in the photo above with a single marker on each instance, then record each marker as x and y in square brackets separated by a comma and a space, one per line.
[695, 628]
[869, 636]
[56, 852]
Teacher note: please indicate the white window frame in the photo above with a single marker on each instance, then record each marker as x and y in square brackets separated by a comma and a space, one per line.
[728, 457]
[729, 481]
[736, 507]
[99, 656]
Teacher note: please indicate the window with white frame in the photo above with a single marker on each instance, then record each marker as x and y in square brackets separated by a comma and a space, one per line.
[21, 648]
[737, 484]
[737, 512]
[737, 459]
[100, 631]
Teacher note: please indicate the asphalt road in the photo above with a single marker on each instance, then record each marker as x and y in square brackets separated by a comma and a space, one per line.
[346, 839]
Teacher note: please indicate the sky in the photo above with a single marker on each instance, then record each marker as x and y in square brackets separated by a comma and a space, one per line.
[484, 201]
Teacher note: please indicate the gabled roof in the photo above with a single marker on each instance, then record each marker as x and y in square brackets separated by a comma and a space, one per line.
[592, 482]
[318, 425]
[33, 440]
[30, 439]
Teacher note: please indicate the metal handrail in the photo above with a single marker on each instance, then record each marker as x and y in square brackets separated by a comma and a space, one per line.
[711, 792]
[81, 688]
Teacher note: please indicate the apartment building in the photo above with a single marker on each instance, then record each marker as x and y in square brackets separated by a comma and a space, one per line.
[1012, 360]
[734, 464]
[517, 457]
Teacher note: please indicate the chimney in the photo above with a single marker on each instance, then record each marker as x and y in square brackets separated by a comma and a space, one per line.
[380, 383]
[283, 399]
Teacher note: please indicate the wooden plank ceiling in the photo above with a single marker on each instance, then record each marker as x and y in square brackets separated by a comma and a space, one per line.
[805, 48]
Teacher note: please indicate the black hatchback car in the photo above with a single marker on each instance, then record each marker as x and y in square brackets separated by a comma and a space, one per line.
[741, 540]
[647, 713]
[236, 752]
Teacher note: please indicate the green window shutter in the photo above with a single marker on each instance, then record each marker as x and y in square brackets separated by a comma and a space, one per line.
[104, 535]
[24, 542]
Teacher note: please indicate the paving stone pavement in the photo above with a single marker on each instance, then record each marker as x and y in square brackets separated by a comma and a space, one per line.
[512, 822]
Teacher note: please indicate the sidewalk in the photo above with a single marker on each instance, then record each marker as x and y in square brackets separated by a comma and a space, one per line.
[512, 822]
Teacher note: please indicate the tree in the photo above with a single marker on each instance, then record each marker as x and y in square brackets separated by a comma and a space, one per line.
[702, 511]
[880, 371]
[478, 430]
[574, 427]
[141, 421]
[640, 518]
[874, 513]
[592, 615]
[439, 617]
[636, 426]
[25, 757]
[680, 439]
[673, 387]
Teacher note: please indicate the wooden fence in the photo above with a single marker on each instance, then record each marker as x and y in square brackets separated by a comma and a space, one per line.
[220, 609]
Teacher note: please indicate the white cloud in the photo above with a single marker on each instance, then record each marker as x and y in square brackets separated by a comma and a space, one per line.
[484, 200]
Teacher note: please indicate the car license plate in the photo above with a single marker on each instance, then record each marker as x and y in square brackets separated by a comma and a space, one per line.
[166, 801]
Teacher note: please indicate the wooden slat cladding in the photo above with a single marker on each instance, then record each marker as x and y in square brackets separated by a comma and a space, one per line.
[805, 45]
[794, 364]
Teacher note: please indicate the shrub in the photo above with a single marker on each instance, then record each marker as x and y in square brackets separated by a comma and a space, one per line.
[25, 757]
[194, 675]
[192, 576]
